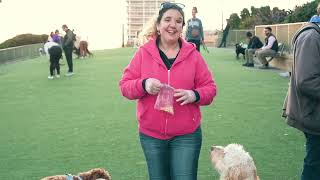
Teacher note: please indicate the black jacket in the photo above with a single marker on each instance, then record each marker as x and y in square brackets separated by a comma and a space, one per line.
[68, 40]
[255, 43]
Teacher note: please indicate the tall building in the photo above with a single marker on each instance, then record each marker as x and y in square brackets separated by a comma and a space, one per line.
[140, 12]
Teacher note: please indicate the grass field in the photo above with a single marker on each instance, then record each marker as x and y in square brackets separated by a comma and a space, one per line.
[73, 124]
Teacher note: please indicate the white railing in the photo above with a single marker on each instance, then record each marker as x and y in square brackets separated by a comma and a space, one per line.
[20, 52]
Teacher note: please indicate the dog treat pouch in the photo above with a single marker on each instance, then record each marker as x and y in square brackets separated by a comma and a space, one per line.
[164, 100]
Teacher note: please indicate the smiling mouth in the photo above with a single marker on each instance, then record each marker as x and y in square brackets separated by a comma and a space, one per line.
[172, 32]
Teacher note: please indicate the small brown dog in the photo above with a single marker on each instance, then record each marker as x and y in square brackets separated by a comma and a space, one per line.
[93, 174]
[233, 163]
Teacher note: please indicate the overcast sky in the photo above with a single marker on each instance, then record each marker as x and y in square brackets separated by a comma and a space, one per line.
[100, 21]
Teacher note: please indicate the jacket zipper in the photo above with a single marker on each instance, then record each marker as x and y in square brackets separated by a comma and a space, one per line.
[166, 126]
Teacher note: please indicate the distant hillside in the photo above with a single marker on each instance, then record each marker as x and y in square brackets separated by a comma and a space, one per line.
[24, 39]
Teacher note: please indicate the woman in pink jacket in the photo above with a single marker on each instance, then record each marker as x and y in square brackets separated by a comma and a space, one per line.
[171, 142]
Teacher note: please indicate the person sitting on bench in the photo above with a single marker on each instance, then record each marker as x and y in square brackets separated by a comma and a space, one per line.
[270, 48]
[254, 44]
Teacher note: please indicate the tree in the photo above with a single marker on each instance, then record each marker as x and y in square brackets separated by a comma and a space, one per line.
[248, 23]
[302, 13]
[265, 14]
[278, 16]
[254, 11]
[234, 21]
[244, 14]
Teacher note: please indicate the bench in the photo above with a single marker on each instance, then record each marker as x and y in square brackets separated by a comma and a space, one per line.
[280, 52]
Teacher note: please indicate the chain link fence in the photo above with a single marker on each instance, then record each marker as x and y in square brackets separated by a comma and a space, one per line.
[213, 38]
[238, 36]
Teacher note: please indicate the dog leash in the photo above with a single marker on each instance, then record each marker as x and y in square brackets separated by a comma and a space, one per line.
[70, 177]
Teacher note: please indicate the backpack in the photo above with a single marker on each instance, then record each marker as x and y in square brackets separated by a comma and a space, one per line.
[73, 35]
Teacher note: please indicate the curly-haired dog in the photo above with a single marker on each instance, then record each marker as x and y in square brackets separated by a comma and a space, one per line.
[233, 163]
[93, 174]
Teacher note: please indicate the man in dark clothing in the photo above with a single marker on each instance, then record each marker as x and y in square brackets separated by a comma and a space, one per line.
[225, 35]
[68, 47]
[254, 44]
[302, 104]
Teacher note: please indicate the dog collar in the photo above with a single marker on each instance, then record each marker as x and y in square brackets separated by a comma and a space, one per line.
[70, 177]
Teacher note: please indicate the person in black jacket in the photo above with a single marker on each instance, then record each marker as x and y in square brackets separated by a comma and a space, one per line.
[67, 46]
[254, 44]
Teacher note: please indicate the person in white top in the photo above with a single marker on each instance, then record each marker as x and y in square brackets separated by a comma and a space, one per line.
[54, 51]
[269, 49]
[50, 37]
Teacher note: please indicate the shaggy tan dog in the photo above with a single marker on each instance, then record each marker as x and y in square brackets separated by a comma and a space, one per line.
[93, 174]
[233, 163]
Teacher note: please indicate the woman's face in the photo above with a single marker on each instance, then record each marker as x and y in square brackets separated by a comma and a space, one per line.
[318, 9]
[170, 26]
[194, 13]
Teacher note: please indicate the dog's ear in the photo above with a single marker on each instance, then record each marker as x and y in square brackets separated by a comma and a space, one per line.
[219, 150]
[100, 173]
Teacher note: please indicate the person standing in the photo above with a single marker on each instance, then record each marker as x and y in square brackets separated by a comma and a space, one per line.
[68, 48]
[225, 35]
[302, 104]
[56, 37]
[50, 37]
[171, 142]
[254, 44]
[194, 32]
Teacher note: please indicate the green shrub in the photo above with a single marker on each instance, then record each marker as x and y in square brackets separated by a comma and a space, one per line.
[24, 39]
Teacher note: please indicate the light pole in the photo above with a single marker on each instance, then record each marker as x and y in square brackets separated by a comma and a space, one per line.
[122, 34]
[222, 21]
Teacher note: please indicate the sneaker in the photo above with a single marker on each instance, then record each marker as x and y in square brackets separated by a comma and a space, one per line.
[264, 67]
[50, 77]
[58, 76]
[69, 74]
[250, 65]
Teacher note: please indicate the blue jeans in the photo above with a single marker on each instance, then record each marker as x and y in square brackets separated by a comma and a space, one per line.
[311, 167]
[173, 159]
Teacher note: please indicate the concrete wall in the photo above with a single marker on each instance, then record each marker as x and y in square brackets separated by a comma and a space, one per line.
[284, 63]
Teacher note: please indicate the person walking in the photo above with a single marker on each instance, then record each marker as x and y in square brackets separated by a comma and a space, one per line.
[194, 33]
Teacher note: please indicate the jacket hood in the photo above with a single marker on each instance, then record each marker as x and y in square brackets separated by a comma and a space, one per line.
[185, 50]
[303, 28]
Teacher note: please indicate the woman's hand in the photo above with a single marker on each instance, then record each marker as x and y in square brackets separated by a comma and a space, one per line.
[184, 96]
[153, 86]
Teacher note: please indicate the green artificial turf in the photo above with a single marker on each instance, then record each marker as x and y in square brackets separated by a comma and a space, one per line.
[73, 124]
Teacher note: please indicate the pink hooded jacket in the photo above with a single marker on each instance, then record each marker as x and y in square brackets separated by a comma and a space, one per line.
[189, 71]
